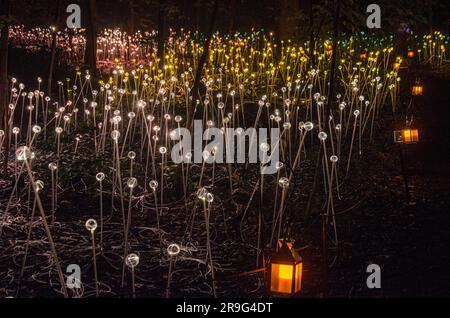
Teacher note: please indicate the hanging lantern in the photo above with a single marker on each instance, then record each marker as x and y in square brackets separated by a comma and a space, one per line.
[417, 89]
[410, 54]
[363, 56]
[406, 136]
[285, 271]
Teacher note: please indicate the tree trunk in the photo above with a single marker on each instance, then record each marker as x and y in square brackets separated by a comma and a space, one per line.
[5, 5]
[232, 10]
[132, 18]
[197, 15]
[90, 56]
[131, 26]
[311, 34]
[288, 19]
[330, 98]
[430, 16]
[198, 75]
[161, 38]
[53, 51]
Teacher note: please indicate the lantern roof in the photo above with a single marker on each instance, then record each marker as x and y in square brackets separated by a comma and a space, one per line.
[286, 255]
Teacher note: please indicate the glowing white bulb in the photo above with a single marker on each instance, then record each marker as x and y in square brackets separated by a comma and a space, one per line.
[206, 155]
[141, 104]
[36, 129]
[153, 184]
[173, 249]
[283, 182]
[23, 153]
[309, 126]
[264, 147]
[209, 197]
[100, 176]
[91, 225]
[201, 193]
[279, 165]
[132, 183]
[115, 134]
[39, 185]
[132, 260]
[323, 135]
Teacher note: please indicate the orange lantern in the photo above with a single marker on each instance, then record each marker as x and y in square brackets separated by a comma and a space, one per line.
[285, 271]
[363, 56]
[406, 136]
[410, 54]
[417, 89]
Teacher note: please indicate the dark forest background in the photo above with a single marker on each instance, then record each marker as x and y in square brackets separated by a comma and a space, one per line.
[288, 18]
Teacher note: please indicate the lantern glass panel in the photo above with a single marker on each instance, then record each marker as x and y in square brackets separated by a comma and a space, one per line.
[410, 135]
[417, 90]
[415, 134]
[407, 135]
[281, 278]
[298, 277]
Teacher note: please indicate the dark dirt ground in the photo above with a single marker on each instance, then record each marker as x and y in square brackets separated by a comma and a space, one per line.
[409, 240]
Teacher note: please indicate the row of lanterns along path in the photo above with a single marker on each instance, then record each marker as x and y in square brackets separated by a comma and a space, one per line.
[285, 267]
[409, 134]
